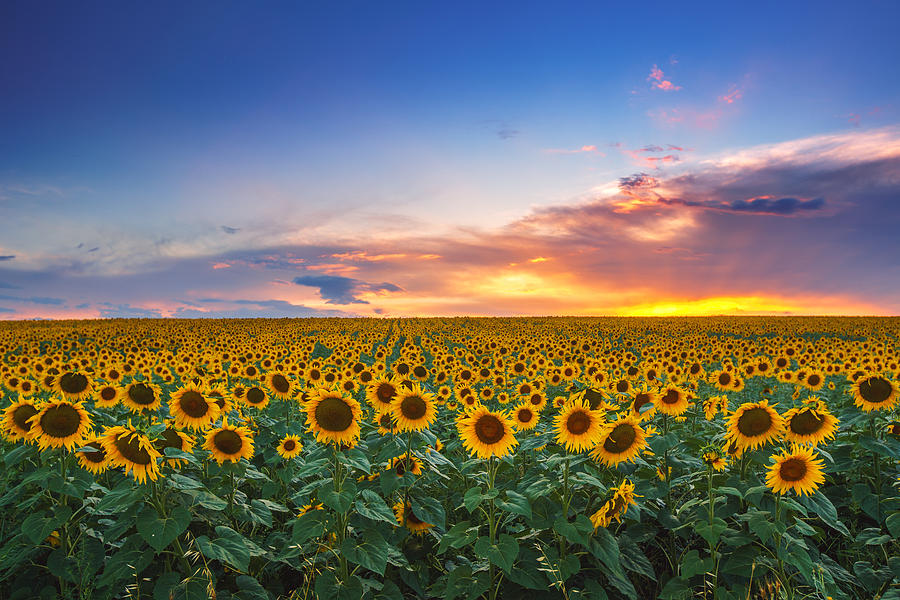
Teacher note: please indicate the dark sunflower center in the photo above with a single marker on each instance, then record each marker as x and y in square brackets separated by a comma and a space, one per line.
[113, 374]
[129, 446]
[385, 393]
[228, 442]
[620, 439]
[525, 415]
[333, 414]
[21, 416]
[108, 393]
[142, 394]
[413, 407]
[594, 398]
[170, 439]
[695, 368]
[640, 401]
[536, 399]
[578, 422]
[411, 518]
[251, 371]
[781, 363]
[61, 421]
[314, 374]
[806, 422]
[420, 372]
[793, 469]
[875, 390]
[813, 380]
[193, 404]
[754, 422]
[98, 455]
[489, 429]
[255, 395]
[280, 383]
[385, 421]
[671, 397]
[289, 445]
[622, 386]
[73, 383]
[724, 378]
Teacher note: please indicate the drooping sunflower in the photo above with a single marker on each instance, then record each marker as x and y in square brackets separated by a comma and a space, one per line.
[381, 391]
[74, 385]
[60, 424]
[289, 446]
[407, 518]
[94, 460]
[875, 392]
[643, 403]
[256, 397]
[386, 424]
[713, 404]
[577, 426]
[485, 433]
[16, 420]
[672, 401]
[525, 416]
[141, 395]
[413, 409]
[128, 448]
[754, 424]
[191, 409]
[620, 441]
[108, 395]
[715, 459]
[615, 508]
[333, 417]
[811, 424]
[278, 385]
[229, 442]
[799, 469]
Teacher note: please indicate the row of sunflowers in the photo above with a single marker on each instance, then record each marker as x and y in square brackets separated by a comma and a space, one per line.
[451, 458]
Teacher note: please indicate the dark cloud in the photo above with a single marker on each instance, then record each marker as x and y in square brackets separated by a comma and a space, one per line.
[9, 286]
[3, 309]
[638, 180]
[343, 290]
[506, 133]
[109, 310]
[35, 300]
[82, 306]
[781, 206]
[230, 230]
[7, 257]
[651, 148]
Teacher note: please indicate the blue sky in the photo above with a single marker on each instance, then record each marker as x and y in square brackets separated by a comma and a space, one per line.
[132, 134]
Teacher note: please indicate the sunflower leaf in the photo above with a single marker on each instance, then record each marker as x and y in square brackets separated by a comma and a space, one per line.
[369, 550]
[159, 531]
[228, 548]
[373, 507]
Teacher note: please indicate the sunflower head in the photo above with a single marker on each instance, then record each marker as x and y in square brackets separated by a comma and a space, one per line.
[229, 442]
[333, 417]
[60, 424]
[525, 417]
[406, 517]
[192, 409]
[620, 441]
[755, 424]
[128, 448]
[413, 409]
[811, 424]
[92, 456]
[17, 420]
[74, 385]
[875, 392]
[290, 446]
[577, 426]
[485, 433]
[799, 469]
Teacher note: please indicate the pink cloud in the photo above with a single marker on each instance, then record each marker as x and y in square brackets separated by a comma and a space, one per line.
[221, 265]
[732, 96]
[657, 80]
[584, 149]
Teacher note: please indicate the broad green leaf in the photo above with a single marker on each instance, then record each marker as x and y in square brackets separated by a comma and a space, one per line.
[228, 547]
[250, 589]
[711, 531]
[370, 550]
[341, 501]
[372, 506]
[515, 503]
[160, 531]
[502, 553]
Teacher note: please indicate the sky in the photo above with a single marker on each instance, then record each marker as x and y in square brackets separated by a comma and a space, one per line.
[235, 159]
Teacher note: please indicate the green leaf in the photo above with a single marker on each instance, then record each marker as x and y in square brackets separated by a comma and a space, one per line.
[428, 509]
[260, 513]
[37, 527]
[250, 589]
[604, 547]
[820, 505]
[461, 534]
[307, 526]
[472, 498]
[502, 553]
[692, 564]
[459, 581]
[210, 501]
[341, 501]
[62, 566]
[370, 550]
[576, 532]
[516, 503]
[228, 547]
[569, 566]
[711, 531]
[123, 566]
[182, 482]
[160, 531]
[121, 498]
[329, 587]
[357, 459]
[165, 585]
[372, 506]
[893, 524]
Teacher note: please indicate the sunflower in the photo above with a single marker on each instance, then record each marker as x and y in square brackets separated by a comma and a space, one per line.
[875, 392]
[229, 442]
[93, 460]
[485, 433]
[537, 401]
[333, 417]
[126, 447]
[256, 397]
[615, 508]
[309, 508]
[413, 409]
[290, 446]
[754, 425]
[672, 401]
[74, 385]
[714, 404]
[577, 426]
[191, 409]
[406, 464]
[715, 459]
[141, 395]
[809, 424]
[108, 395]
[278, 385]
[60, 424]
[814, 381]
[16, 420]
[799, 470]
[620, 441]
[381, 392]
[525, 416]
[643, 405]
[386, 424]
[172, 438]
[405, 517]
[723, 380]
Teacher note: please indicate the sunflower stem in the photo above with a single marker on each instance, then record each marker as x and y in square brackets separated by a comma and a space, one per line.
[712, 516]
[565, 508]
[874, 433]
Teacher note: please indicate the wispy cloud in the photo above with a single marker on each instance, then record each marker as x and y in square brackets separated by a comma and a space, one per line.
[343, 290]
[6, 257]
[586, 149]
[657, 80]
[230, 230]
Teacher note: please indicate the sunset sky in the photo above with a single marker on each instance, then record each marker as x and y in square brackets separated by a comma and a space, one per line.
[328, 159]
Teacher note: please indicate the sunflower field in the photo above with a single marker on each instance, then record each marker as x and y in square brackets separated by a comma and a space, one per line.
[717, 458]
